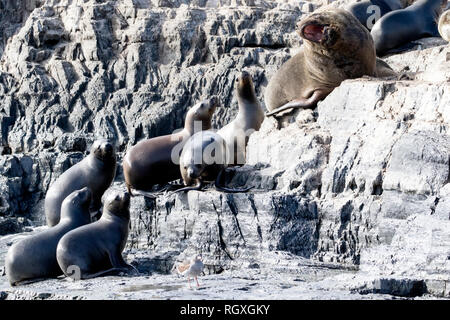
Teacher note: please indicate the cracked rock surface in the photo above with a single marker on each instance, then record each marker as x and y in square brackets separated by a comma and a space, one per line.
[351, 200]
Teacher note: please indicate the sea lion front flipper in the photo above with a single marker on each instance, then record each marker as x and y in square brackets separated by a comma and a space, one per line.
[197, 187]
[301, 103]
[228, 190]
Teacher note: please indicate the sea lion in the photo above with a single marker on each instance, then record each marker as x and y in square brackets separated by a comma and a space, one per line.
[96, 249]
[402, 26]
[35, 256]
[444, 25]
[96, 171]
[336, 47]
[248, 120]
[204, 160]
[151, 162]
[370, 11]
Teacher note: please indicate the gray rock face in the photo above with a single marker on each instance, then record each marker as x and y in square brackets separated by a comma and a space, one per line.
[361, 182]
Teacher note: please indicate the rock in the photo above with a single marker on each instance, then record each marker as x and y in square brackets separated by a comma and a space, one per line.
[395, 287]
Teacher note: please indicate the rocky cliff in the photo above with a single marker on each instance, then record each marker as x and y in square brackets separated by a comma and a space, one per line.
[360, 183]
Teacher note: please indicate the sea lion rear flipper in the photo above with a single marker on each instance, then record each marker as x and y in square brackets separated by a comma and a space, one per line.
[104, 273]
[301, 103]
[146, 194]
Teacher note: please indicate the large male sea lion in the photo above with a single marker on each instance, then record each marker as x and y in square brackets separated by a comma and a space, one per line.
[96, 171]
[444, 25]
[204, 160]
[248, 120]
[399, 27]
[35, 256]
[336, 47]
[96, 249]
[151, 162]
[370, 11]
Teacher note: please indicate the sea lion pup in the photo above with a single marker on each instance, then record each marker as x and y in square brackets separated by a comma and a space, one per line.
[444, 25]
[248, 120]
[204, 160]
[34, 257]
[402, 26]
[336, 47]
[96, 171]
[151, 162]
[96, 249]
[370, 11]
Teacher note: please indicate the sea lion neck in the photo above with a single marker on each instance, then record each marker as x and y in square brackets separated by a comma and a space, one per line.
[314, 62]
[116, 213]
[194, 123]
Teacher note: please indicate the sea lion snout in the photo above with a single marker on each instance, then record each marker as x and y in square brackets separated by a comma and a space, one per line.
[213, 103]
[107, 148]
[190, 173]
[85, 195]
[323, 34]
[82, 196]
[118, 203]
[123, 198]
[103, 149]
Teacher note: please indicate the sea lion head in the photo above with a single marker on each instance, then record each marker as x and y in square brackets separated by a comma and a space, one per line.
[76, 201]
[118, 204]
[337, 35]
[244, 86]
[202, 149]
[203, 112]
[191, 164]
[103, 150]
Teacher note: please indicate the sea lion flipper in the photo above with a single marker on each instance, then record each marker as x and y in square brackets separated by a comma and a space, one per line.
[197, 187]
[146, 194]
[104, 273]
[301, 103]
[219, 187]
[384, 70]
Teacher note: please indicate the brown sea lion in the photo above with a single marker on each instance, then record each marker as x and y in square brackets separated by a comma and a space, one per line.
[336, 47]
[248, 120]
[96, 171]
[34, 257]
[204, 160]
[96, 249]
[152, 162]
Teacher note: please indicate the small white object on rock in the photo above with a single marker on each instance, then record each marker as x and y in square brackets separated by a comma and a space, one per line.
[193, 268]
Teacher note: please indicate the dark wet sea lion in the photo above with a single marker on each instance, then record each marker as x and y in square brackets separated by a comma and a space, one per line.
[35, 256]
[96, 249]
[370, 11]
[336, 47]
[248, 120]
[150, 161]
[399, 27]
[96, 171]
